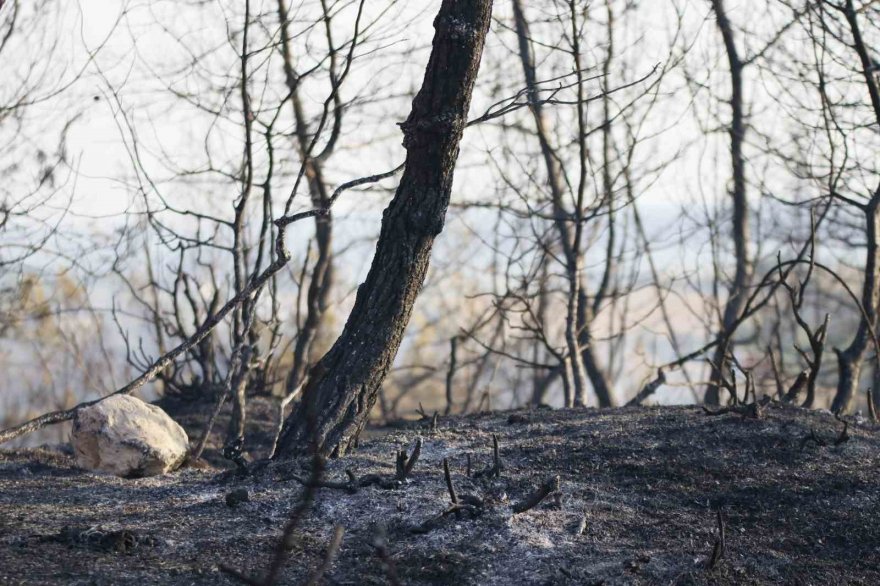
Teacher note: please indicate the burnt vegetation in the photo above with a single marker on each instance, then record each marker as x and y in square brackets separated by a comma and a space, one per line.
[591, 211]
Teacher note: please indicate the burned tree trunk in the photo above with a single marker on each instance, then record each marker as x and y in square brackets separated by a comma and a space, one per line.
[321, 278]
[740, 233]
[850, 359]
[343, 386]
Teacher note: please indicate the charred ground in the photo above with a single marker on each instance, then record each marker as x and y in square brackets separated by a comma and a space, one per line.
[639, 488]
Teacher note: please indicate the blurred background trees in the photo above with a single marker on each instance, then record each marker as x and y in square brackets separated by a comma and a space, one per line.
[689, 187]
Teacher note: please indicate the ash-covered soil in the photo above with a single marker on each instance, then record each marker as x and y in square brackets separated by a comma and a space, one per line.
[638, 493]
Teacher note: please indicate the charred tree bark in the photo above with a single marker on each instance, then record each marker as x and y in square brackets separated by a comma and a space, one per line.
[540, 379]
[740, 233]
[343, 386]
[850, 360]
[591, 364]
[240, 248]
[321, 279]
[450, 374]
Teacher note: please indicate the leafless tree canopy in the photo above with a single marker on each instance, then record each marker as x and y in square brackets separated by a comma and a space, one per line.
[356, 211]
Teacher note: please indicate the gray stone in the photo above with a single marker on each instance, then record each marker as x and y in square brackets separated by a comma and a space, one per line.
[127, 437]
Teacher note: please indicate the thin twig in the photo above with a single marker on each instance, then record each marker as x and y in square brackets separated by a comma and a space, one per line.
[496, 455]
[329, 557]
[812, 437]
[533, 500]
[452, 496]
[719, 547]
[844, 435]
[413, 458]
[777, 377]
[872, 408]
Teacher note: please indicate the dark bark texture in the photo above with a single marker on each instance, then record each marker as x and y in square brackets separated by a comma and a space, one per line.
[343, 386]
[321, 280]
[742, 276]
[850, 360]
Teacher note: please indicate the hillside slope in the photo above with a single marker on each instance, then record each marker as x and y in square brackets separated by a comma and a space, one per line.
[637, 500]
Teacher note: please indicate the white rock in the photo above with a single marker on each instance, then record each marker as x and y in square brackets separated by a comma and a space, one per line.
[127, 437]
